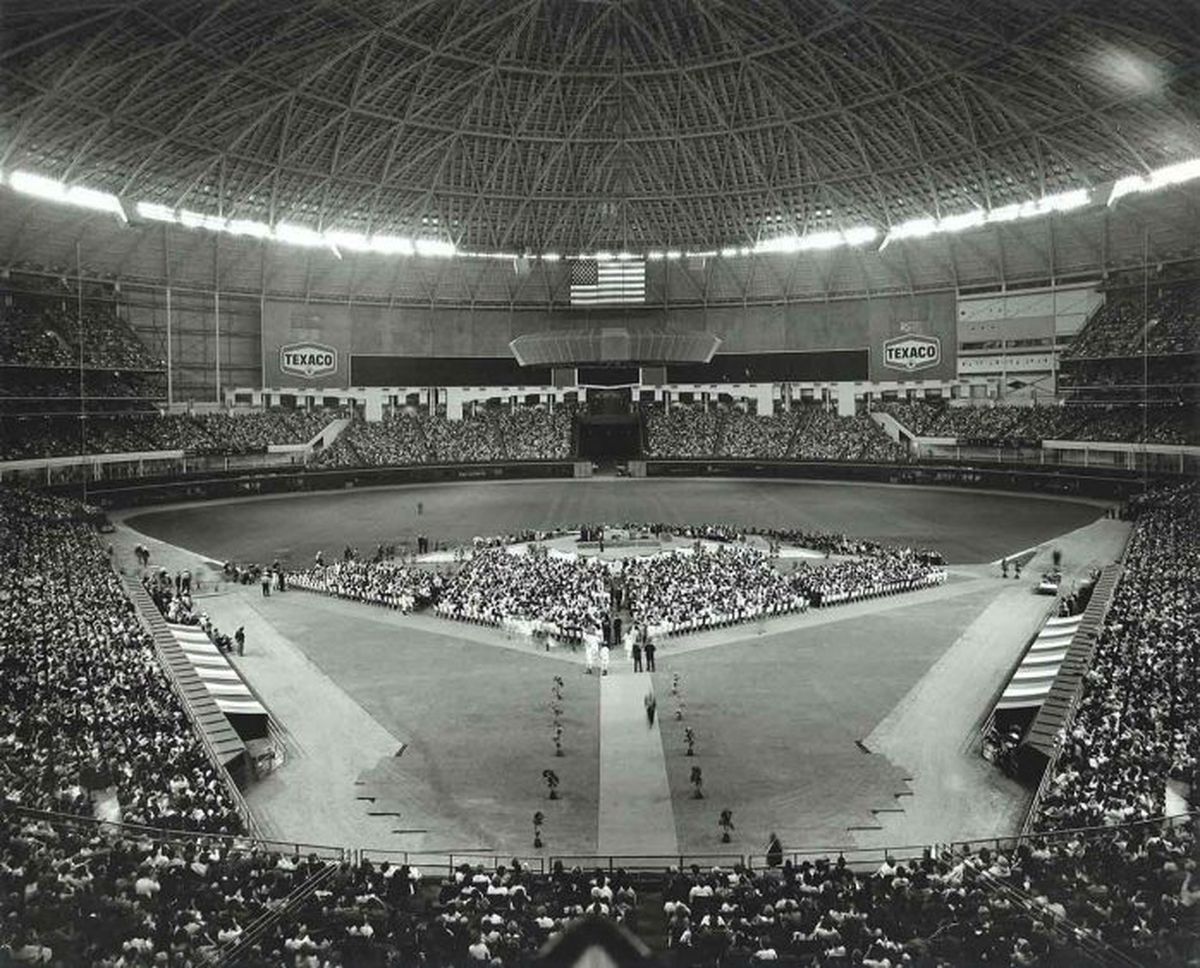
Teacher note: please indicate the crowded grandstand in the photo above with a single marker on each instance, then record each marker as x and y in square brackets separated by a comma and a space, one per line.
[617, 483]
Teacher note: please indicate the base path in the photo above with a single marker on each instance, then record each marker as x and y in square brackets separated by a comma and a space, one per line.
[933, 732]
[635, 799]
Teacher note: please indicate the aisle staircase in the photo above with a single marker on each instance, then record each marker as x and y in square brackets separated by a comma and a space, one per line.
[719, 432]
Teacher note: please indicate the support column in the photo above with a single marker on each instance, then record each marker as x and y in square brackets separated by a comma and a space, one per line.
[217, 313]
[170, 361]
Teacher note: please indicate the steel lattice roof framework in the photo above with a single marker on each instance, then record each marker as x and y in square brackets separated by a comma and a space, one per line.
[575, 125]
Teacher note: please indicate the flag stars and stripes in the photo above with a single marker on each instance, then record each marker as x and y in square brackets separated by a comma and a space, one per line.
[607, 282]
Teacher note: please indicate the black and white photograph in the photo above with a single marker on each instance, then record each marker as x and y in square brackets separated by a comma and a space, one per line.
[599, 483]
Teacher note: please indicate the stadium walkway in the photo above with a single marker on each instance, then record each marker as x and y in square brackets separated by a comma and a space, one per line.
[635, 799]
[314, 798]
[933, 732]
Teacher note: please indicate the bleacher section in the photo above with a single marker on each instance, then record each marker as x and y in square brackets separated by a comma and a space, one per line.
[214, 433]
[806, 433]
[1046, 899]
[1002, 425]
[492, 434]
[1159, 319]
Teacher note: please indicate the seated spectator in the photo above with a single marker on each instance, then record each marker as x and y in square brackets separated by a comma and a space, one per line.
[1138, 720]
[385, 583]
[84, 704]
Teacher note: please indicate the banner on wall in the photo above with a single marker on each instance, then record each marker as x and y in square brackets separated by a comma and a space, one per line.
[315, 346]
[308, 360]
[305, 346]
[909, 353]
[913, 338]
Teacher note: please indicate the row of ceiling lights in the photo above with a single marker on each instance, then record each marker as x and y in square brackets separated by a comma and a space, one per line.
[338, 241]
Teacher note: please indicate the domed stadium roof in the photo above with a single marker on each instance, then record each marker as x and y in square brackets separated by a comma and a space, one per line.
[573, 125]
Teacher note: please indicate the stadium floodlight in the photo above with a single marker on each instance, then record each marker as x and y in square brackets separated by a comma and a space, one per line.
[1176, 174]
[156, 213]
[391, 245]
[52, 190]
[435, 247]
[254, 229]
[625, 256]
[294, 234]
[600, 257]
[861, 235]
[1060, 202]
[673, 254]
[729, 251]
[781, 243]
[654, 256]
[963, 221]
[351, 241]
[920, 228]
[550, 256]
[495, 256]
[96, 200]
[818, 241]
[915, 228]
[1005, 213]
[27, 183]
[199, 220]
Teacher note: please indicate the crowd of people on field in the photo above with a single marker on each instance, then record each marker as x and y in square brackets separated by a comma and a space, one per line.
[84, 704]
[884, 572]
[85, 711]
[1138, 720]
[387, 583]
[703, 587]
[718, 578]
[565, 595]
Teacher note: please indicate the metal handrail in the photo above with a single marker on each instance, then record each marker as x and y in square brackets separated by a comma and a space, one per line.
[239, 802]
[1066, 833]
[1089, 943]
[1050, 771]
[235, 841]
[262, 924]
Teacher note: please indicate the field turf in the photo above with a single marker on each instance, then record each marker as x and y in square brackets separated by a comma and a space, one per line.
[965, 526]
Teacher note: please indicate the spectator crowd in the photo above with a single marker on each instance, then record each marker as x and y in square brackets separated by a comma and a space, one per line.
[699, 588]
[1012, 425]
[1138, 720]
[84, 704]
[46, 332]
[249, 432]
[805, 433]
[390, 584]
[720, 579]
[1163, 322]
[1132, 888]
[563, 595]
[85, 711]
[490, 434]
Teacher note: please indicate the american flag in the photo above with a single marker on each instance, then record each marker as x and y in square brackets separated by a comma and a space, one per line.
[607, 282]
